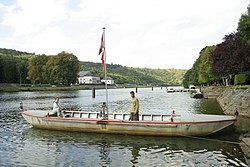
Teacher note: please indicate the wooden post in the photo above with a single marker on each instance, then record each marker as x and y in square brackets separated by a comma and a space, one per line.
[152, 88]
[93, 92]
[136, 89]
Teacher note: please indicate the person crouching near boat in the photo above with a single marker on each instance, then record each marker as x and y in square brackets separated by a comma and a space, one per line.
[56, 108]
[134, 113]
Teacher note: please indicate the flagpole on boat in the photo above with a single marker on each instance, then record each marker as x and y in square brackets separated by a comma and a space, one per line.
[105, 72]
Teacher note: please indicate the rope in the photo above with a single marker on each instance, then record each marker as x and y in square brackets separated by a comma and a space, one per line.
[214, 140]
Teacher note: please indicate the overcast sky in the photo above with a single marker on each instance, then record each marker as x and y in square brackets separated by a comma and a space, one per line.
[139, 33]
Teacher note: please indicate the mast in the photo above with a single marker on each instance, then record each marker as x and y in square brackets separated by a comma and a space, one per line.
[105, 72]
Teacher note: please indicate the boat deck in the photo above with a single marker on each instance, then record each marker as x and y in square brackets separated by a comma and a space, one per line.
[123, 116]
[97, 115]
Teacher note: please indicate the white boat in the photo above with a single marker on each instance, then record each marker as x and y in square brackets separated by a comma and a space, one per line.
[196, 94]
[170, 90]
[119, 123]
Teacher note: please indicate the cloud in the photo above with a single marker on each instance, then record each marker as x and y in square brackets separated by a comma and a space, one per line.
[141, 33]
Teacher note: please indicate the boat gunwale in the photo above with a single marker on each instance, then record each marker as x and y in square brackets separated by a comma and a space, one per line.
[91, 120]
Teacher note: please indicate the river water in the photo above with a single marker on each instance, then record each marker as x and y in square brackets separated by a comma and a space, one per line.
[22, 145]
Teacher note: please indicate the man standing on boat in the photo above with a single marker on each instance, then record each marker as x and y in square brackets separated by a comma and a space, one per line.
[56, 107]
[134, 114]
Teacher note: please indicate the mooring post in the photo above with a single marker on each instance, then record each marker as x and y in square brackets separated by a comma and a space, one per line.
[93, 92]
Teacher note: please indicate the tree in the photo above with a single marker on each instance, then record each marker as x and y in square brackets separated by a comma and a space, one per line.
[36, 69]
[13, 66]
[244, 26]
[231, 56]
[187, 78]
[8, 69]
[62, 68]
[22, 68]
[192, 76]
[205, 73]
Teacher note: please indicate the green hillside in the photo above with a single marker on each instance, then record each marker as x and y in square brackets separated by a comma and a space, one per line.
[140, 76]
[14, 69]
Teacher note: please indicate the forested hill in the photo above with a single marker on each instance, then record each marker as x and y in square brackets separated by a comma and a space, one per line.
[12, 52]
[131, 75]
[15, 67]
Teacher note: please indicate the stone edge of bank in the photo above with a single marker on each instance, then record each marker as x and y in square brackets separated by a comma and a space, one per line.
[232, 100]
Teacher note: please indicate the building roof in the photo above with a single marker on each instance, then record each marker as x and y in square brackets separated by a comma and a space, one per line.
[87, 73]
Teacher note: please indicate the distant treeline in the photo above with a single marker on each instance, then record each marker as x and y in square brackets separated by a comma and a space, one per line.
[225, 63]
[13, 66]
[28, 68]
[139, 76]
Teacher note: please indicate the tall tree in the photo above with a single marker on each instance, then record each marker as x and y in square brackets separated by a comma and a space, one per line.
[22, 68]
[231, 56]
[244, 26]
[8, 68]
[36, 69]
[62, 68]
[192, 75]
[205, 73]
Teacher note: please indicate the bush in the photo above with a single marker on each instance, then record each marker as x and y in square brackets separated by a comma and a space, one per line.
[239, 79]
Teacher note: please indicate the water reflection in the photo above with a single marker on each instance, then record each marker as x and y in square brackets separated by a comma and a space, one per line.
[21, 145]
[104, 153]
[90, 149]
[135, 154]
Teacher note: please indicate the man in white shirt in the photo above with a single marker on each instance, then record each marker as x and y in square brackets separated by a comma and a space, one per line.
[56, 108]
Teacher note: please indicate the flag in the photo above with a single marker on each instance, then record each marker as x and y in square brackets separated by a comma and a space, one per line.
[101, 50]
[102, 45]
[103, 65]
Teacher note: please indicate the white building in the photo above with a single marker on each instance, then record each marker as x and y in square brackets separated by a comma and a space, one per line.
[110, 81]
[88, 77]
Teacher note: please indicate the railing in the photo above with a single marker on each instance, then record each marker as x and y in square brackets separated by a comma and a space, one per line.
[124, 116]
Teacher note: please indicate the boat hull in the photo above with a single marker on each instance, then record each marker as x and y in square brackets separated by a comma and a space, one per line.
[116, 126]
[196, 95]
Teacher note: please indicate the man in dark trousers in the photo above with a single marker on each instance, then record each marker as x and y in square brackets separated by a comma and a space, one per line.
[134, 113]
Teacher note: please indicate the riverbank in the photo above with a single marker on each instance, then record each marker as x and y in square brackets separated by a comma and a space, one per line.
[48, 88]
[235, 100]
[32, 88]
[231, 99]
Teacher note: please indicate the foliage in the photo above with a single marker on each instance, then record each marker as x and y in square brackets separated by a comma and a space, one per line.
[63, 69]
[139, 76]
[190, 78]
[13, 66]
[244, 26]
[239, 79]
[201, 72]
[205, 73]
[37, 67]
[4, 51]
[60, 69]
[231, 56]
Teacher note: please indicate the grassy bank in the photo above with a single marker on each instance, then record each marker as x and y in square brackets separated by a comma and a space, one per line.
[48, 88]
[59, 88]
